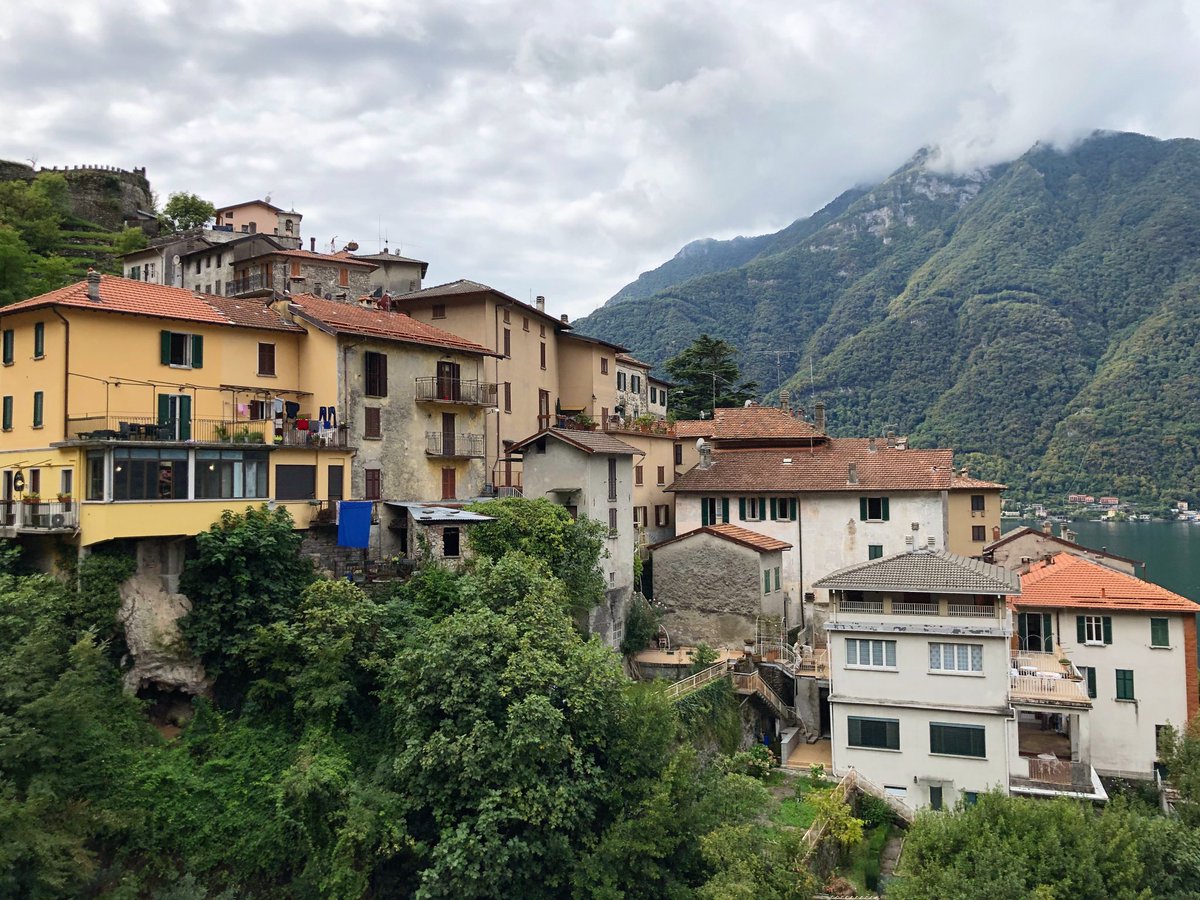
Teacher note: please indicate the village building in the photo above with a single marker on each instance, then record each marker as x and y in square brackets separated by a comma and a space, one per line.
[973, 514]
[591, 474]
[260, 217]
[259, 268]
[395, 274]
[1019, 549]
[633, 387]
[1134, 643]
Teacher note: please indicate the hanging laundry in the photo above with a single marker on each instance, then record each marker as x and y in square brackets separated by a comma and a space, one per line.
[354, 523]
[332, 417]
[278, 405]
[243, 409]
[291, 410]
[323, 416]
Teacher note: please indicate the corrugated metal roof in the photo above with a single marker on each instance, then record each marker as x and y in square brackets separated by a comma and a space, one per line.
[932, 572]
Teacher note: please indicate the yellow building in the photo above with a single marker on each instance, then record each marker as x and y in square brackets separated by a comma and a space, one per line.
[135, 410]
[972, 514]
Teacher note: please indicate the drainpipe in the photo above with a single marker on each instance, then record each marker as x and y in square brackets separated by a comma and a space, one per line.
[67, 371]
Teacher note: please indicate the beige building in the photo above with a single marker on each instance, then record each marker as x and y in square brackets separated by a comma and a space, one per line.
[395, 274]
[972, 514]
[715, 583]
[260, 217]
[587, 379]
[1022, 547]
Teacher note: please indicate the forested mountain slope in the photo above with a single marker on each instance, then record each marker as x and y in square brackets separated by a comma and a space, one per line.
[1040, 316]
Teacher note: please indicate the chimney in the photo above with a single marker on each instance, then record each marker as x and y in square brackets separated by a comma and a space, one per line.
[541, 303]
[871, 444]
[1047, 528]
[852, 473]
[705, 449]
[93, 285]
[785, 399]
[563, 319]
[819, 417]
[891, 440]
[965, 473]
[312, 245]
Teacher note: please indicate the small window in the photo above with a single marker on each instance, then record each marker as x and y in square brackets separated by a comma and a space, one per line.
[507, 342]
[9, 346]
[266, 359]
[372, 484]
[197, 266]
[603, 366]
[66, 482]
[295, 268]
[182, 351]
[958, 740]
[978, 533]
[640, 516]
[450, 543]
[38, 408]
[777, 578]
[935, 797]
[1089, 678]
[39, 340]
[612, 522]
[635, 383]
[1094, 629]
[1160, 632]
[977, 504]
[543, 330]
[873, 654]
[873, 734]
[970, 798]
[95, 475]
[344, 277]
[8, 413]
[372, 427]
[507, 319]
[508, 396]
[873, 509]
[376, 374]
[653, 394]
[637, 475]
[766, 581]
[620, 381]
[543, 354]
[662, 475]
[524, 323]
[612, 478]
[439, 311]
[679, 454]
[662, 516]
[1125, 684]
[874, 551]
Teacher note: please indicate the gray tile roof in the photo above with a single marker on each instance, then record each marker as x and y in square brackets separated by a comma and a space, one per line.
[587, 441]
[924, 571]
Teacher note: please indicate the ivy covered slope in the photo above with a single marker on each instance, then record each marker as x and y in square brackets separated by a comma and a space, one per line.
[1039, 316]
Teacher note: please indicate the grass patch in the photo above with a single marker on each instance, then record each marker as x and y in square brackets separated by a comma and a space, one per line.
[862, 864]
[795, 813]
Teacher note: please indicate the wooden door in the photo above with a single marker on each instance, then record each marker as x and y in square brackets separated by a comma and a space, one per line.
[449, 489]
[448, 447]
[448, 384]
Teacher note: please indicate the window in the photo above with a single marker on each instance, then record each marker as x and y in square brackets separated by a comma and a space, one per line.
[35, 481]
[39, 340]
[603, 366]
[640, 517]
[1160, 737]
[231, 474]
[662, 516]
[873, 509]
[506, 317]
[66, 482]
[295, 482]
[977, 503]
[450, 543]
[376, 374]
[653, 394]
[873, 734]
[439, 311]
[752, 509]
[135, 273]
[38, 408]
[542, 329]
[957, 740]
[197, 266]
[372, 484]
[679, 454]
[295, 268]
[524, 323]
[935, 797]
[266, 359]
[955, 657]
[8, 413]
[208, 262]
[543, 354]
[766, 581]
[449, 483]
[979, 533]
[150, 474]
[183, 351]
[508, 396]
[620, 381]
[1125, 684]
[372, 427]
[872, 654]
[1160, 632]
[714, 510]
[637, 475]
[95, 475]
[344, 276]
[635, 383]
[874, 551]
[1093, 629]
[1089, 678]
[777, 578]
[612, 522]
[9, 346]
[336, 475]
[612, 478]
[662, 475]
[507, 342]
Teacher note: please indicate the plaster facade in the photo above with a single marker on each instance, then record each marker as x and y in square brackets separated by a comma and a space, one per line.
[972, 520]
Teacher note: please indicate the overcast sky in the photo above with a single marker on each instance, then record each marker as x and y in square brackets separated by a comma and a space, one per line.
[562, 148]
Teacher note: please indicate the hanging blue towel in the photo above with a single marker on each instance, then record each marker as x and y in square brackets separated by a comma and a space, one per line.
[354, 523]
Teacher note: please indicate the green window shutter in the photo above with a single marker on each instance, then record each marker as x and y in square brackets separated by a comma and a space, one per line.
[1080, 632]
[704, 512]
[766, 581]
[792, 503]
[774, 509]
[1047, 633]
[197, 351]
[39, 339]
[1091, 682]
[38, 408]
[777, 578]
[165, 346]
[884, 504]
[1108, 629]
[724, 509]
[862, 508]
[164, 409]
[742, 508]
[9, 346]
[185, 418]
[1160, 633]
[8, 413]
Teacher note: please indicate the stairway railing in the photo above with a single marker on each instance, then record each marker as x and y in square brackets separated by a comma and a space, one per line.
[701, 678]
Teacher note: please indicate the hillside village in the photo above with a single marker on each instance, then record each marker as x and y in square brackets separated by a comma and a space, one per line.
[858, 590]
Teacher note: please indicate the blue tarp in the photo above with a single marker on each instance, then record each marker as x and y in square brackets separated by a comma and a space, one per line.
[354, 523]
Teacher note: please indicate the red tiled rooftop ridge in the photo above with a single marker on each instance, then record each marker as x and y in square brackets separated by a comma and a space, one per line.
[371, 322]
[1067, 580]
[734, 533]
[965, 482]
[749, 422]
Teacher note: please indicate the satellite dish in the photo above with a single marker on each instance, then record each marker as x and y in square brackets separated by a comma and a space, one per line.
[699, 443]
[175, 259]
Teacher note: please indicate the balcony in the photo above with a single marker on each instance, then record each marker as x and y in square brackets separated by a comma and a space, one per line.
[23, 517]
[449, 445]
[457, 391]
[291, 436]
[247, 284]
[242, 432]
[1040, 678]
[941, 607]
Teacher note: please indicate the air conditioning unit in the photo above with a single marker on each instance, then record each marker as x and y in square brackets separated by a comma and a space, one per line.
[909, 540]
[931, 542]
[58, 520]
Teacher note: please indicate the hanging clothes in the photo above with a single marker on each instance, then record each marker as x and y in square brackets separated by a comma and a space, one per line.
[323, 416]
[278, 405]
[332, 417]
[354, 523]
[291, 410]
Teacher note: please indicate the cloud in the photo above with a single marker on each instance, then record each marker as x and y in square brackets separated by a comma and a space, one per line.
[562, 148]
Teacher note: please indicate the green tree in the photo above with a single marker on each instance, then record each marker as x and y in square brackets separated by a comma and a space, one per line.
[128, 240]
[571, 548]
[183, 211]
[706, 376]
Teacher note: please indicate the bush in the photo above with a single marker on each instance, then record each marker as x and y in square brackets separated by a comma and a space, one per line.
[756, 762]
[874, 811]
[641, 625]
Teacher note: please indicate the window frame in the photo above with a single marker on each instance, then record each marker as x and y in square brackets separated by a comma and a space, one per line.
[375, 374]
[874, 551]
[1165, 623]
[438, 311]
[956, 658]
[981, 505]
[372, 423]
[39, 340]
[269, 349]
[887, 648]
[978, 534]
[10, 346]
[957, 728]
[372, 484]
[603, 365]
[39, 409]
[883, 506]
[1125, 684]
[890, 737]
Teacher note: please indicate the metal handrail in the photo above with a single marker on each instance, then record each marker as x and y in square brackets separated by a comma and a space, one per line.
[701, 678]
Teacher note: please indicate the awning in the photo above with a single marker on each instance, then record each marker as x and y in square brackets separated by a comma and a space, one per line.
[434, 514]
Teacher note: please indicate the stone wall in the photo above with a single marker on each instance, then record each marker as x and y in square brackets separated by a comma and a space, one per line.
[321, 546]
[105, 195]
[709, 590]
[321, 279]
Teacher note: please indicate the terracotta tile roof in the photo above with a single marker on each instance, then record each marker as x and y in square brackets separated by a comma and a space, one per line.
[964, 482]
[694, 428]
[141, 298]
[734, 533]
[1025, 529]
[823, 467]
[1070, 581]
[924, 571]
[626, 359]
[271, 206]
[747, 422]
[347, 318]
[587, 441]
[465, 286]
[340, 258]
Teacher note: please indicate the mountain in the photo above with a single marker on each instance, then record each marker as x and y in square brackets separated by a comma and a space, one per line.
[1041, 316]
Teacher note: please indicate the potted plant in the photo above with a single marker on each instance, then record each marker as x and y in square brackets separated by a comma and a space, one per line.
[221, 432]
[585, 422]
[32, 499]
[65, 500]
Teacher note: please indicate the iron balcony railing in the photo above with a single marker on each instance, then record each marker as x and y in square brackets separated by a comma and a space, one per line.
[34, 515]
[149, 428]
[291, 436]
[245, 284]
[452, 445]
[468, 392]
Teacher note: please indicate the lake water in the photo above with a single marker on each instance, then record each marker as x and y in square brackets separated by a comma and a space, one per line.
[1170, 550]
